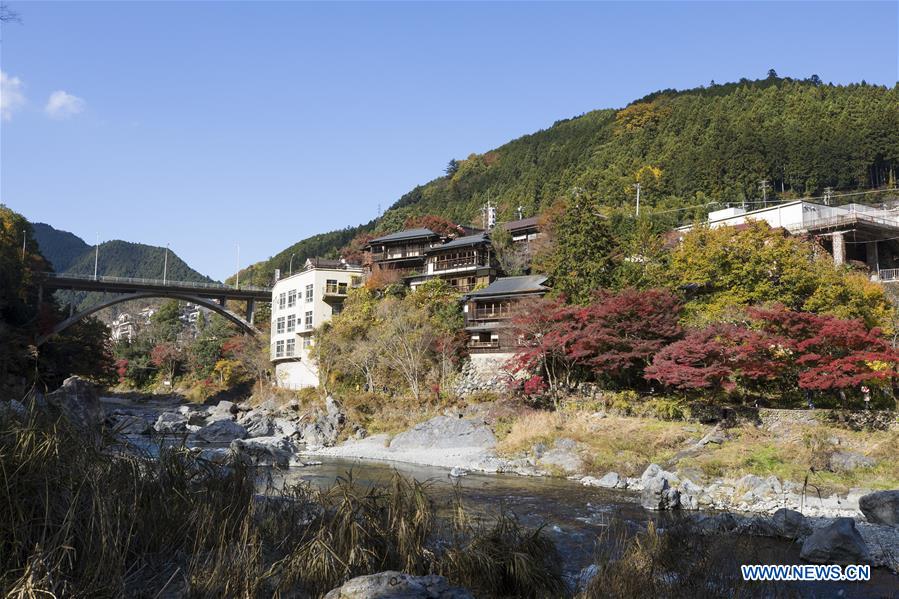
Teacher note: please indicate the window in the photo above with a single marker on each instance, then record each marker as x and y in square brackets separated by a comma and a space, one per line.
[307, 342]
[336, 309]
[279, 349]
[282, 301]
[291, 323]
[279, 328]
[291, 298]
[290, 347]
[308, 320]
[308, 293]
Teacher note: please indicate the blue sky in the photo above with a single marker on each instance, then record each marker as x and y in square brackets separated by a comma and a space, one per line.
[208, 124]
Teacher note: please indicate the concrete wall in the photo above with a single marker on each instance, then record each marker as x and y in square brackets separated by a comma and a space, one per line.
[296, 375]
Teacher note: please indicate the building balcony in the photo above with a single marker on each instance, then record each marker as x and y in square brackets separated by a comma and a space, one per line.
[335, 291]
[501, 313]
[492, 344]
[443, 265]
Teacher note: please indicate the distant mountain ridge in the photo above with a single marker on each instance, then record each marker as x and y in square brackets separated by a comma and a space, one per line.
[687, 149]
[68, 253]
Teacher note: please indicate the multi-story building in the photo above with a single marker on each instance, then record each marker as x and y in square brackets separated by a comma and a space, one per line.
[488, 313]
[863, 234]
[301, 303]
[465, 263]
[400, 251]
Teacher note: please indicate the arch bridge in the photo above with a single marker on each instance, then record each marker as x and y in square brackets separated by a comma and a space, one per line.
[208, 295]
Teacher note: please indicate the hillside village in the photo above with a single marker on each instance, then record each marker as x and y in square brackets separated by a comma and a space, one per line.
[861, 236]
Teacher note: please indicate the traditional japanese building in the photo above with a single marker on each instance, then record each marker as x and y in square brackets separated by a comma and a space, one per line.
[465, 263]
[488, 312]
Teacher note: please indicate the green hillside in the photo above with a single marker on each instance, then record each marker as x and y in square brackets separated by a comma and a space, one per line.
[61, 248]
[70, 254]
[686, 148]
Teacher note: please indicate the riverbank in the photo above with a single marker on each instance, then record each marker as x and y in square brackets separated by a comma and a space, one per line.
[576, 445]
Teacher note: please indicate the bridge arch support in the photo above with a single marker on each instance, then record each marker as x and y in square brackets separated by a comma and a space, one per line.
[186, 297]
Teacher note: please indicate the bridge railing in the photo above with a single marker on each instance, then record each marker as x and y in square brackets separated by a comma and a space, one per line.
[157, 282]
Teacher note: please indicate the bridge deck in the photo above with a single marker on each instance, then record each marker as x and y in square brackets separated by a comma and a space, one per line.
[128, 285]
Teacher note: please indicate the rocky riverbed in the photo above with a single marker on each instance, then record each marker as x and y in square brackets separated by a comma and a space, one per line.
[861, 524]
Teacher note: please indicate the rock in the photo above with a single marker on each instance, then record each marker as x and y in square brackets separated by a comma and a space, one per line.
[847, 461]
[224, 410]
[716, 523]
[715, 436]
[222, 431]
[196, 418]
[658, 495]
[458, 472]
[839, 543]
[790, 524]
[284, 427]
[216, 455]
[129, 424]
[562, 456]
[171, 422]
[611, 480]
[444, 432]
[397, 585]
[264, 451]
[77, 400]
[334, 411]
[16, 408]
[881, 507]
[258, 423]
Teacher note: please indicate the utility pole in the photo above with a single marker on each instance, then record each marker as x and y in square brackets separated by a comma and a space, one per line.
[24, 237]
[292, 256]
[96, 255]
[828, 195]
[763, 185]
[637, 186]
[165, 265]
[238, 266]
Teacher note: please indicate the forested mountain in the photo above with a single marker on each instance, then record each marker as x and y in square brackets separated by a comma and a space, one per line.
[685, 148]
[70, 254]
[61, 248]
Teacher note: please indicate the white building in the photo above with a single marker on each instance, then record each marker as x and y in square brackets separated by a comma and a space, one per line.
[852, 232]
[300, 304]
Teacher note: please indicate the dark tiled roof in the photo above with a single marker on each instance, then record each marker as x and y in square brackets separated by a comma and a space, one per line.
[458, 242]
[512, 285]
[407, 234]
[525, 223]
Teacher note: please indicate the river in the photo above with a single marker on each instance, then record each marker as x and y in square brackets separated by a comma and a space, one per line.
[576, 517]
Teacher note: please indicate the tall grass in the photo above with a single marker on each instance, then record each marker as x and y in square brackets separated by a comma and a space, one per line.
[82, 518]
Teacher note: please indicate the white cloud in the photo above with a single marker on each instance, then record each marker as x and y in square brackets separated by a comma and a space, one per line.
[62, 105]
[11, 95]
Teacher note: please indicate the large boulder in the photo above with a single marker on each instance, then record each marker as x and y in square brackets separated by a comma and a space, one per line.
[129, 424]
[790, 524]
[839, 543]
[258, 423]
[224, 410]
[265, 451]
[659, 495]
[324, 429]
[222, 431]
[397, 585]
[171, 422]
[445, 432]
[78, 401]
[881, 507]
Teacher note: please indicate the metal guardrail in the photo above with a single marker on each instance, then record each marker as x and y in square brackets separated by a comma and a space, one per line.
[156, 282]
[843, 219]
[888, 274]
